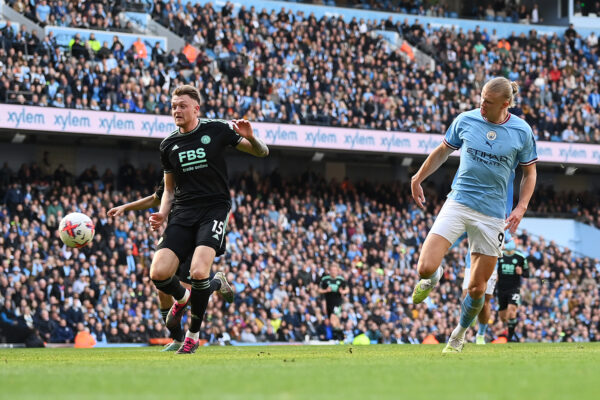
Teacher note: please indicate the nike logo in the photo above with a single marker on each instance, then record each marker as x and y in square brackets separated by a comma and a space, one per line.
[175, 147]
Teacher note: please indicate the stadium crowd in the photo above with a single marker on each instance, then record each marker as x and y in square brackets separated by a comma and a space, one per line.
[293, 68]
[491, 10]
[284, 234]
[105, 14]
[102, 15]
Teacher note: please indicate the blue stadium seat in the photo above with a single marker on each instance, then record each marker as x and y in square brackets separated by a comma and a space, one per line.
[453, 14]
[499, 19]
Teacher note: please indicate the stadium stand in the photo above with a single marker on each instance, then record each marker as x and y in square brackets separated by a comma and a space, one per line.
[500, 11]
[292, 69]
[282, 237]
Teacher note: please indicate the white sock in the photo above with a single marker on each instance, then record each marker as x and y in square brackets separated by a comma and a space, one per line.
[185, 297]
[459, 331]
[437, 275]
[192, 335]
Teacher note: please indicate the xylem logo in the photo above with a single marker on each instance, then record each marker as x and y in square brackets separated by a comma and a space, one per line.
[25, 117]
[320, 138]
[71, 121]
[116, 123]
[395, 142]
[192, 157]
[426, 145]
[156, 126]
[278, 135]
[359, 140]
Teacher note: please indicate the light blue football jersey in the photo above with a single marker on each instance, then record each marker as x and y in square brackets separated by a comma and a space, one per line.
[489, 155]
[508, 210]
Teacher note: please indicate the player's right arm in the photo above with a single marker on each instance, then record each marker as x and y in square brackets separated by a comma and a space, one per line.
[522, 266]
[431, 164]
[158, 218]
[168, 194]
[452, 141]
[140, 204]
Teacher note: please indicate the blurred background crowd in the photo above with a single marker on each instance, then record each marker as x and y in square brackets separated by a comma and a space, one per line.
[284, 234]
[294, 68]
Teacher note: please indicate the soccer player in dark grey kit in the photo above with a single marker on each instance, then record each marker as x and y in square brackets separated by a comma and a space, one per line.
[512, 266]
[332, 286]
[196, 186]
[165, 301]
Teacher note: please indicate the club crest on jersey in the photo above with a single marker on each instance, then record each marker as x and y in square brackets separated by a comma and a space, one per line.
[205, 139]
[491, 135]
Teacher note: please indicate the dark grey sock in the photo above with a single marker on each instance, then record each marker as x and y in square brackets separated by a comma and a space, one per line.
[171, 286]
[215, 285]
[199, 300]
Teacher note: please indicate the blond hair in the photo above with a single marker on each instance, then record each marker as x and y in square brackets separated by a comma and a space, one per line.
[507, 88]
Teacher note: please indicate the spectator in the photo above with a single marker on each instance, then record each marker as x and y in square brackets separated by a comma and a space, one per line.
[62, 333]
[92, 43]
[139, 49]
[42, 12]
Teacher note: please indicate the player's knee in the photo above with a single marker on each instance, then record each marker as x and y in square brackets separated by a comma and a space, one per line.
[477, 291]
[199, 273]
[157, 273]
[426, 267]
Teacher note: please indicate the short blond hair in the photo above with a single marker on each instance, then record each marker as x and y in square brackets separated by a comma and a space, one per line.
[505, 87]
[187, 90]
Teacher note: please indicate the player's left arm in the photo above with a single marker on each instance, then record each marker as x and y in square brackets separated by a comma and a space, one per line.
[527, 186]
[526, 269]
[344, 289]
[249, 143]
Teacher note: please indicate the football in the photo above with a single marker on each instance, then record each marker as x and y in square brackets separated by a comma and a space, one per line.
[76, 230]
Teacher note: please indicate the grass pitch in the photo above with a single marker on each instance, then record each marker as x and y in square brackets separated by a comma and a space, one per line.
[512, 371]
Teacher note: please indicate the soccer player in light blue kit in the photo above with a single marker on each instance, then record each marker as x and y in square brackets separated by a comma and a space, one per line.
[486, 310]
[492, 142]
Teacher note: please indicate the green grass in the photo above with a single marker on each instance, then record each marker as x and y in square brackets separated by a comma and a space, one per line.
[512, 371]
